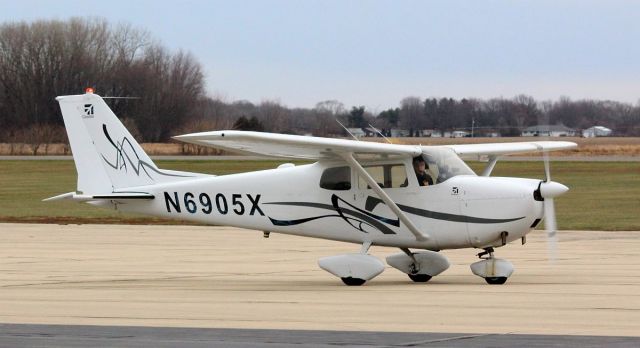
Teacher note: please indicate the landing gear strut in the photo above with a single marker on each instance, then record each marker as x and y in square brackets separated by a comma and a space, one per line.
[494, 271]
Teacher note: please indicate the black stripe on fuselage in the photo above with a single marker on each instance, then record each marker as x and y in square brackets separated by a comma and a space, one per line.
[415, 211]
[452, 217]
[370, 220]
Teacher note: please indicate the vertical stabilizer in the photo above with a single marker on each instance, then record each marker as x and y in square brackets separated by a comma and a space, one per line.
[107, 157]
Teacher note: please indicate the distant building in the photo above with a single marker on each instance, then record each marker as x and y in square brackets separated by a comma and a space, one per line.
[357, 132]
[460, 134]
[428, 132]
[435, 133]
[596, 131]
[399, 133]
[370, 132]
[549, 131]
[486, 134]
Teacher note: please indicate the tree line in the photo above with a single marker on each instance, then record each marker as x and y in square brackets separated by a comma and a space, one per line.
[47, 58]
[509, 116]
[43, 59]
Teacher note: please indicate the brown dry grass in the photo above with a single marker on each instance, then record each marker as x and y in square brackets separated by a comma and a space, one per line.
[605, 146]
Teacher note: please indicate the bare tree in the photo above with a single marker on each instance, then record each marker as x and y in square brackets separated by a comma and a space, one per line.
[325, 115]
[411, 111]
[274, 116]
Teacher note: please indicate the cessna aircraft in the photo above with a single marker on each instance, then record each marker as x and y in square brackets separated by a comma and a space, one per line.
[359, 192]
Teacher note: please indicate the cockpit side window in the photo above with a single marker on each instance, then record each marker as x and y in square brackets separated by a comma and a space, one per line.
[337, 179]
[444, 164]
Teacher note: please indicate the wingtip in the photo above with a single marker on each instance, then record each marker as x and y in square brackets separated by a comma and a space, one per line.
[198, 135]
[59, 197]
[186, 138]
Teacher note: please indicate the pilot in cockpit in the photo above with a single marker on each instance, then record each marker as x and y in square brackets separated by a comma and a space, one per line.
[420, 167]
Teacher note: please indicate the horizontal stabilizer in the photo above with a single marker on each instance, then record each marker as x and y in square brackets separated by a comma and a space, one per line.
[86, 198]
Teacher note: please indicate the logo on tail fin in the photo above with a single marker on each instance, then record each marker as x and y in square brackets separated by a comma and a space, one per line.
[88, 111]
[124, 159]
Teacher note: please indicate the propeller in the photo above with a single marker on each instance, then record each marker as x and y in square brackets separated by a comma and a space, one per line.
[549, 190]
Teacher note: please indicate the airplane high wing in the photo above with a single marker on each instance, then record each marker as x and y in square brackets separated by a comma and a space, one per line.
[315, 148]
[495, 149]
[292, 146]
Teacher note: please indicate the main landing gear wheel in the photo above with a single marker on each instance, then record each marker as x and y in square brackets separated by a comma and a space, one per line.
[419, 278]
[420, 266]
[353, 281]
[495, 280]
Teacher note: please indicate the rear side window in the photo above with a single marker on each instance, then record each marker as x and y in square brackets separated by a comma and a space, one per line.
[337, 179]
[387, 176]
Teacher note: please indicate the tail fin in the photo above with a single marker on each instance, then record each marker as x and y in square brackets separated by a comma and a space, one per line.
[107, 157]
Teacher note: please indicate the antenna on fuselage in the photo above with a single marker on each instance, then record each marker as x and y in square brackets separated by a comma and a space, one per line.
[345, 128]
[380, 133]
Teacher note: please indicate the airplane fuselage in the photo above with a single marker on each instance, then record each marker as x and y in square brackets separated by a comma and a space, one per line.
[463, 211]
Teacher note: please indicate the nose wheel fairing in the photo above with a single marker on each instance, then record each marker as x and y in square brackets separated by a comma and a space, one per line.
[494, 271]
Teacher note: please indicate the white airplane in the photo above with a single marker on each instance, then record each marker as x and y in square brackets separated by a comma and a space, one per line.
[359, 192]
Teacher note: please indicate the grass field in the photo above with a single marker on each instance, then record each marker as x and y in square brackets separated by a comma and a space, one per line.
[603, 196]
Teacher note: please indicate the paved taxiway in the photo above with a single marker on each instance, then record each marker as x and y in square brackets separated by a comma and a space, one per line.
[65, 336]
[220, 277]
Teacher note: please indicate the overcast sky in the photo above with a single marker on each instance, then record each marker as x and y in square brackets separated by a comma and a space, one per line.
[374, 53]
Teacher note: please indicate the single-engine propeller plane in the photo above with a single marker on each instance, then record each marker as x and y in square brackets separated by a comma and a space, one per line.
[358, 192]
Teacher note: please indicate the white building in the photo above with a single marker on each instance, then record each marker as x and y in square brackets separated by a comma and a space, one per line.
[596, 131]
[399, 133]
[549, 131]
[460, 134]
[357, 132]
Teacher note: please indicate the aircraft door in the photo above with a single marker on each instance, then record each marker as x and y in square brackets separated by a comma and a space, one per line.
[392, 178]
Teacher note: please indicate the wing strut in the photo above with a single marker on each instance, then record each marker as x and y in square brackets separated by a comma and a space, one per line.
[489, 168]
[385, 198]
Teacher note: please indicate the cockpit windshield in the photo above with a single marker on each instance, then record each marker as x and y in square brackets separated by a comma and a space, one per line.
[443, 164]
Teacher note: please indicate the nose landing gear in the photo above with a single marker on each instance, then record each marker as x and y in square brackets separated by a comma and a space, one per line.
[494, 271]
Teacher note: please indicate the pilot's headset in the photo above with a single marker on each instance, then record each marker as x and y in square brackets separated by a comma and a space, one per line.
[419, 159]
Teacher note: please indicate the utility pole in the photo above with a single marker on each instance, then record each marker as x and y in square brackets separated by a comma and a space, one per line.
[473, 123]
